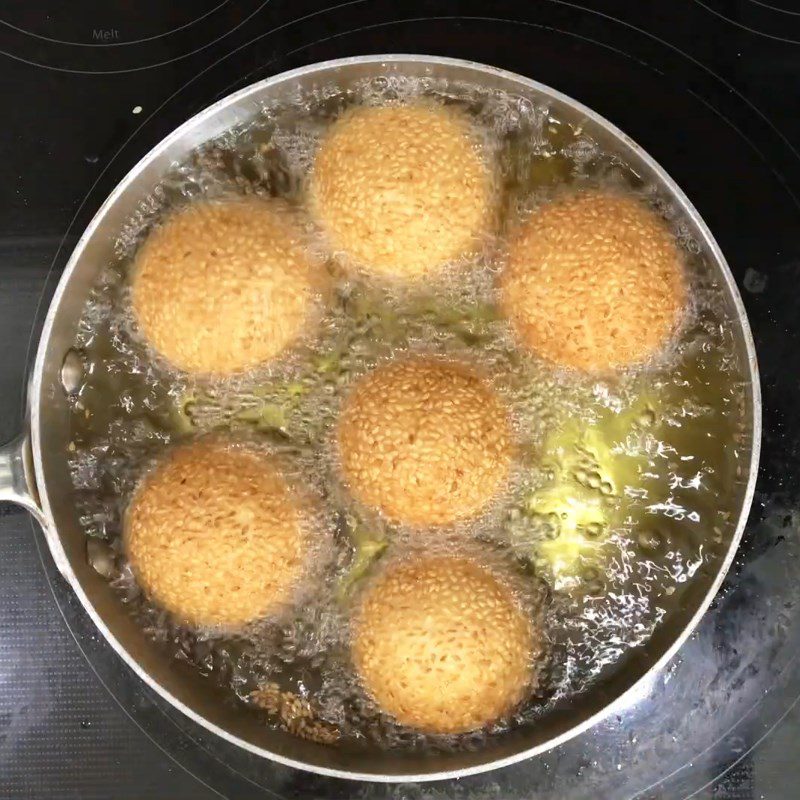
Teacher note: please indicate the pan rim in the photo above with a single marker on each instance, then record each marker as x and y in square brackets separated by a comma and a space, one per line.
[60, 557]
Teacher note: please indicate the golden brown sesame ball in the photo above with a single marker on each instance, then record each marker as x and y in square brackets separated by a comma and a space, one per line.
[216, 536]
[441, 644]
[223, 286]
[594, 281]
[401, 189]
[424, 441]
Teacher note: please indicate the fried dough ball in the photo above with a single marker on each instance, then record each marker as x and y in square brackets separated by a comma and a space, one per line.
[401, 189]
[594, 281]
[221, 287]
[426, 442]
[441, 644]
[216, 535]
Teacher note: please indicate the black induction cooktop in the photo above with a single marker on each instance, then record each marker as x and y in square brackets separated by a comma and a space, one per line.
[710, 88]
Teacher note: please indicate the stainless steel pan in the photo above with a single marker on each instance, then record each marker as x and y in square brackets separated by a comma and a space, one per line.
[34, 474]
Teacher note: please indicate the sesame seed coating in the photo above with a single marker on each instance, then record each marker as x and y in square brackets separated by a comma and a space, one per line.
[401, 189]
[221, 287]
[424, 441]
[594, 281]
[441, 645]
[216, 536]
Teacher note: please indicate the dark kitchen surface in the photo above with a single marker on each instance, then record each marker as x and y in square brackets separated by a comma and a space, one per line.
[710, 89]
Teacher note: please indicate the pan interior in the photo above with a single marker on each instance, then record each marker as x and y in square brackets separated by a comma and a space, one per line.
[142, 193]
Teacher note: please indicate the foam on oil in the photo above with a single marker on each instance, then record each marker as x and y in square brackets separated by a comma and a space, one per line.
[621, 493]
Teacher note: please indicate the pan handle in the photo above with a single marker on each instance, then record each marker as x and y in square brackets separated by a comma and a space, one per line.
[17, 486]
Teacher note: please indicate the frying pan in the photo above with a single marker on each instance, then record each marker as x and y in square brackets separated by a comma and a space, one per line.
[34, 471]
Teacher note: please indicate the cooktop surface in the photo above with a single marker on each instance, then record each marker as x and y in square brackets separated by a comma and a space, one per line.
[708, 87]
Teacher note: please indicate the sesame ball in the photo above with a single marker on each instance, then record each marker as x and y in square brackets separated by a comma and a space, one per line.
[594, 282]
[426, 442]
[401, 189]
[441, 644]
[216, 536]
[221, 287]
